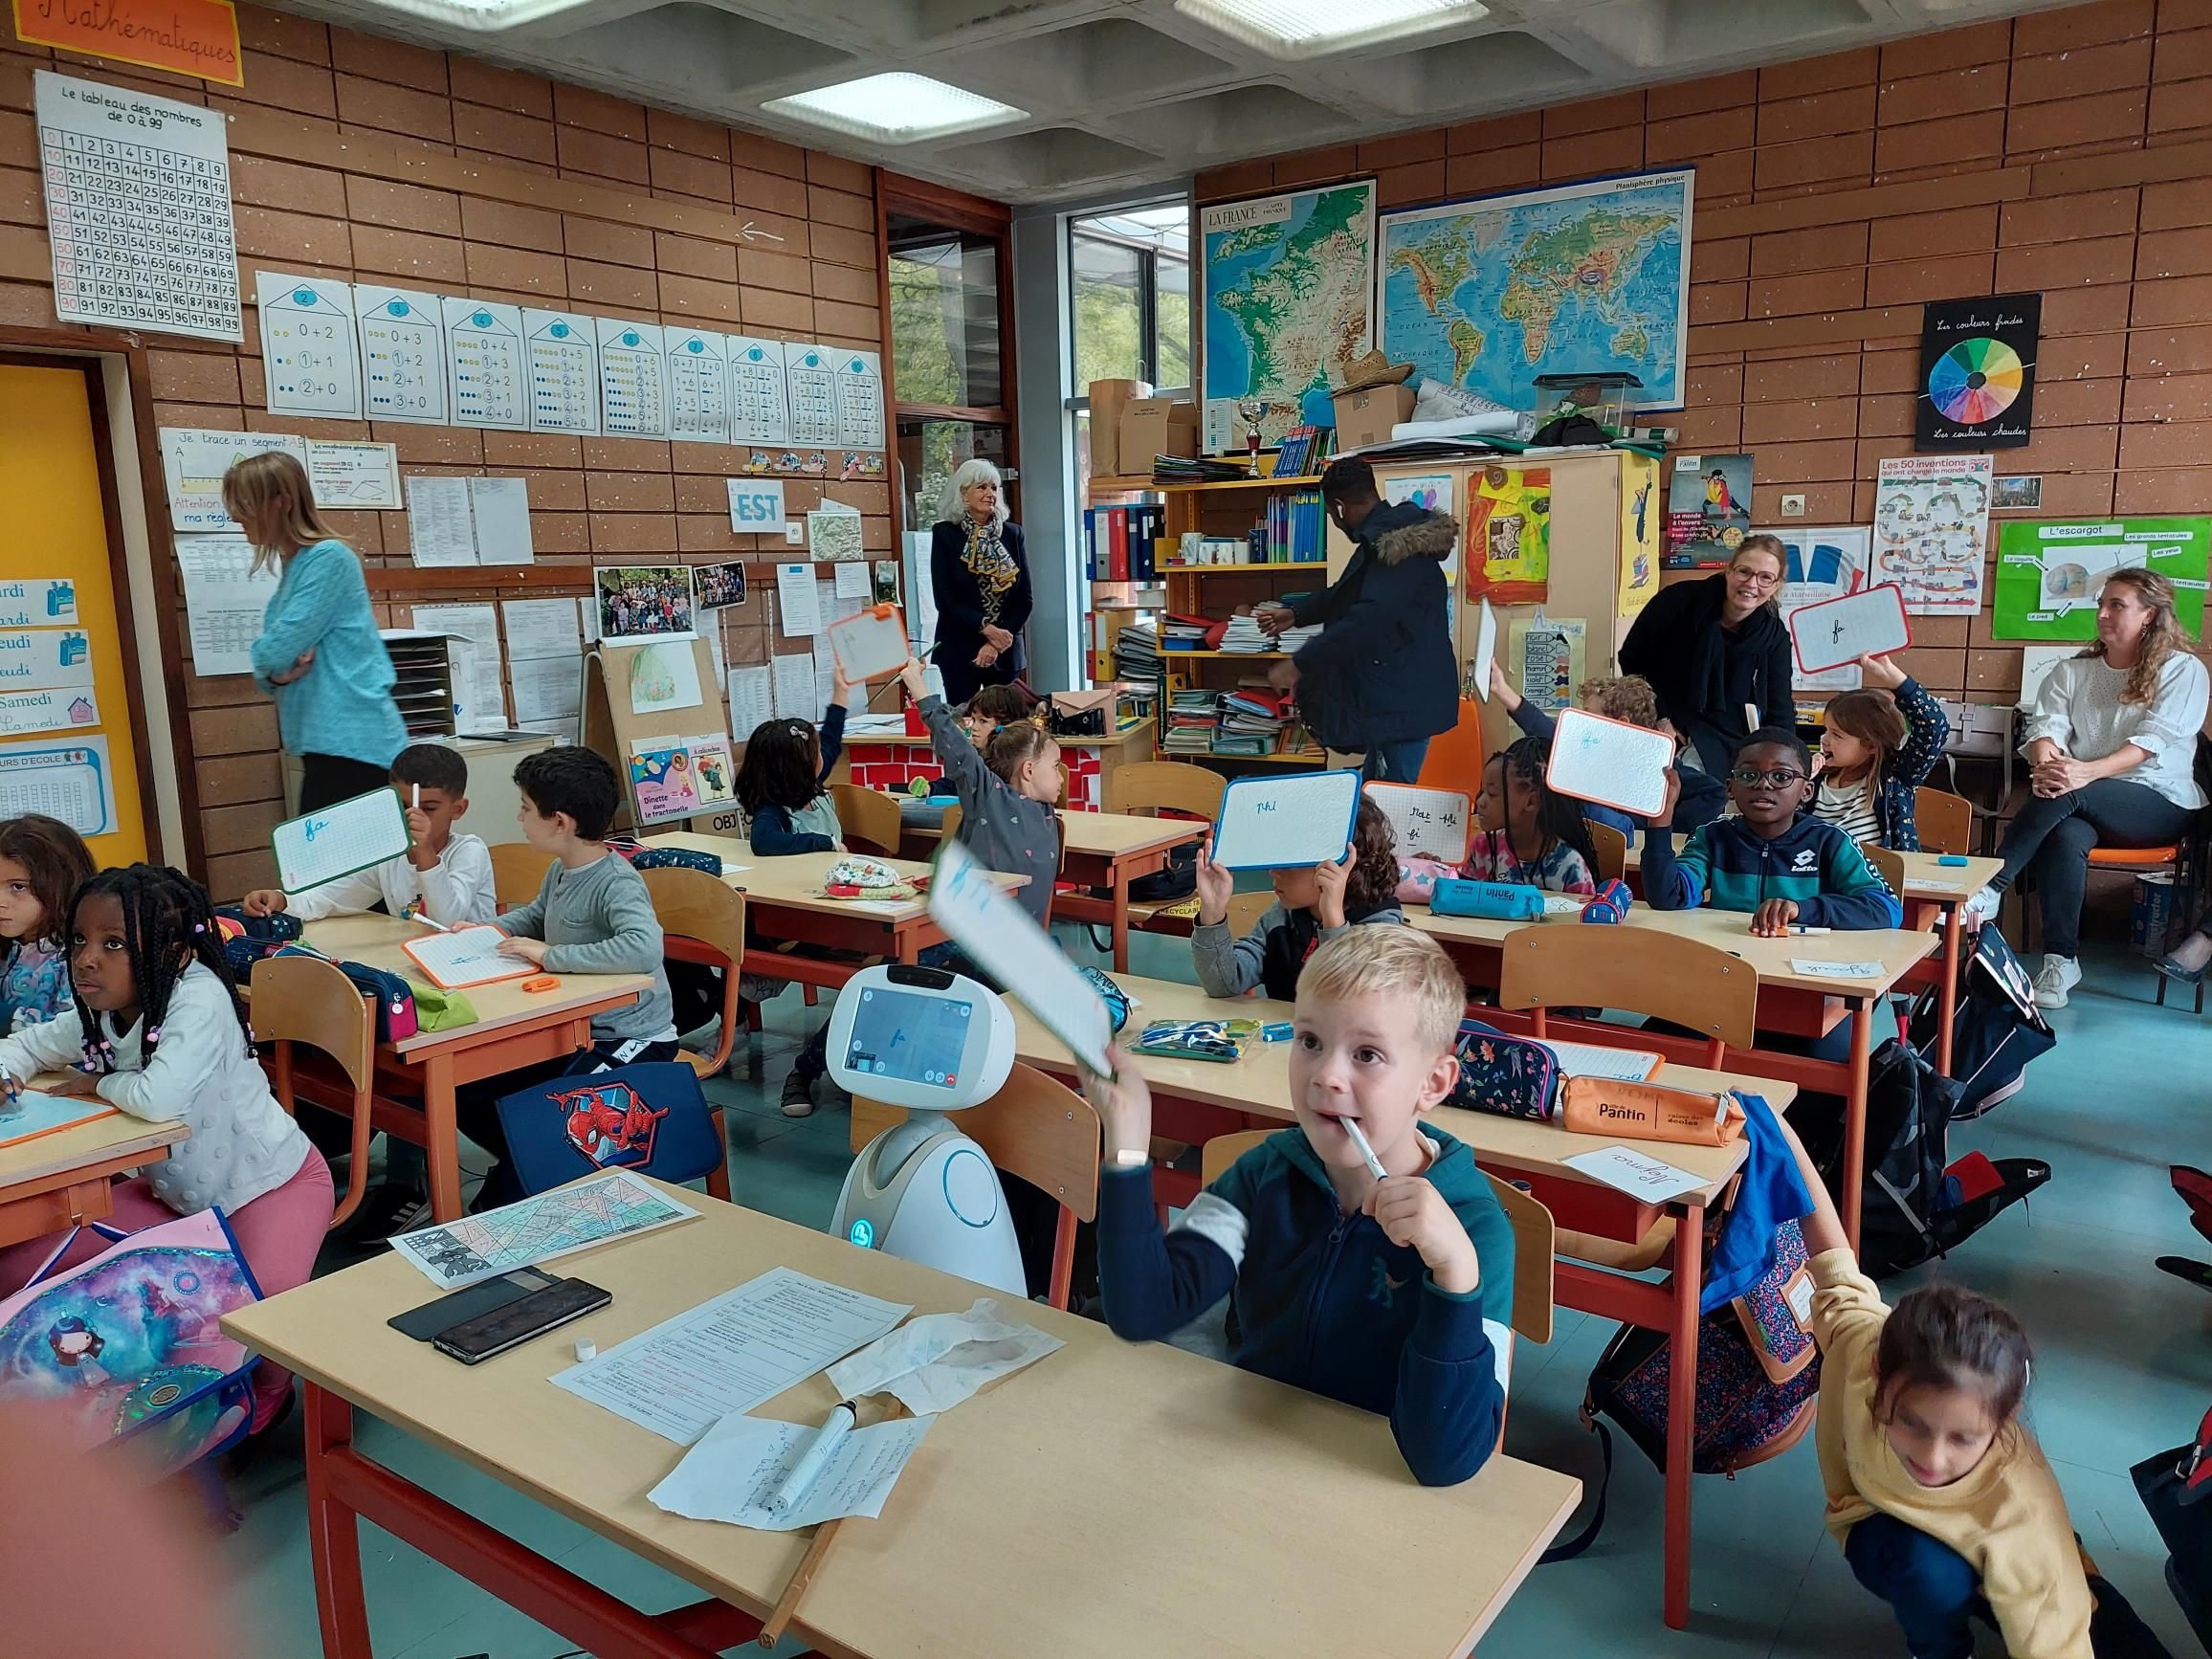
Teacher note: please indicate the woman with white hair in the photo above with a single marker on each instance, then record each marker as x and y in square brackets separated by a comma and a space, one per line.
[979, 569]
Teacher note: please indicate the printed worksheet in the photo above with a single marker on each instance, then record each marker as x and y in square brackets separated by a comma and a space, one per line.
[632, 379]
[563, 371]
[759, 405]
[310, 354]
[699, 385]
[798, 609]
[439, 530]
[355, 477]
[223, 599]
[487, 365]
[403, 354]
[860, 401]
[193, 462]
[743, 1462]
[810, 380]
[752, 699]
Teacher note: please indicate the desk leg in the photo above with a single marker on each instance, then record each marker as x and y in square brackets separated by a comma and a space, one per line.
[332, 1540]
[1121, 916]
[1682, 1410]
[1854, 1155]
[1947, 993]
[441, 1137]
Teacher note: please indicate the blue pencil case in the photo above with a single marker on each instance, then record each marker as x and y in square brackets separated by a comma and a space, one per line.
[1504, 900]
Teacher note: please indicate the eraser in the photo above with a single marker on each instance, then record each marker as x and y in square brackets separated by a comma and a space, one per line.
[1952, 860]
[585, 1349]
[542, 982]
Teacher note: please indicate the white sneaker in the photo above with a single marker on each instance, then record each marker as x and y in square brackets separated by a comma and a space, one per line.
[1984, 905]
[2058, 975]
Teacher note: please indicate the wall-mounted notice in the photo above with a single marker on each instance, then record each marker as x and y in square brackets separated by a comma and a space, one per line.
[860, 401]
[310, 355]
[72, 781]
[48, 602]
[759, 405]
[438, 530]
[757, 506]
[403, 354]
[224, 598]
[810, 376]
[473, 648]
[699, 385]
[353, 476]
[24, 712]
[487, 368]
[632, 379]
[563, 371]
[138, 210]
[193, 462]
[798, 612]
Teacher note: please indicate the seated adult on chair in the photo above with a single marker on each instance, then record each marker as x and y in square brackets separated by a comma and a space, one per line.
[2112, 741]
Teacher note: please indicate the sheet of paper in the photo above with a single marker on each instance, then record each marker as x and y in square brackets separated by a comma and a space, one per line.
[41, 658]
[988, 922]
[473, 648]
[617, 1205]
[757, 506]
[1647, 1179]
[540, 627]
[467, 956]
[934, 1363]
[193, 462]
[310, 356]
[403, 353]
[1563, 903]
[563, 371]
[859, 400]
[717, 650]
[58, 710]
[760, 408]
[439, 530]
[1839, 630]
[1610, 762]
[72, 779]
[33, 1113]
[852, 581]
[798, 612]
[334, 841]
[353, 476]
[500, 508]
[1841, 970]
[487, 365]
[664, 677]
[546, 689]
[37, 602]
[1430, 823]
[737, 1465]
[810, 382]
[1485, 651]
[752, 699]
[794, 676]
[223, 599]
[699, 385]
[834, 536]
[1273, 823]
[869, 645]
[824, 671]
[1594, 1060]
[632, 379]
[730, 1353]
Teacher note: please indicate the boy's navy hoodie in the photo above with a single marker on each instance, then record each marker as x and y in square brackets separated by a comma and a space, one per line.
[1323, 1300]
[1813, 863]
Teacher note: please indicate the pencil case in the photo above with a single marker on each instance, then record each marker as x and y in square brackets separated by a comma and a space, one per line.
[1502, 900]
[1510, 1077]
[1649, 1112]
[1191, 1040]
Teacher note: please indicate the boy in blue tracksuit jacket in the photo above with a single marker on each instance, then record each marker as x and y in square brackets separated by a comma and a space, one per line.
[1767, 860]
[1394, 1294]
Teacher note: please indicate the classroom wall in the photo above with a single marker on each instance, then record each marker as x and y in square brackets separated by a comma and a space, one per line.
[368, 159]
[2068, 152]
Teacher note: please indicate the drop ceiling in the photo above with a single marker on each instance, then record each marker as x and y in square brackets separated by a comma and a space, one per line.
[1118, 95]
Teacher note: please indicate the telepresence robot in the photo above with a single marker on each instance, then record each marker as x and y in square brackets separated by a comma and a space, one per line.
[935, 1042]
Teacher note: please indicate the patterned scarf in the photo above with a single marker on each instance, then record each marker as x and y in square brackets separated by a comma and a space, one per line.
[989, 563]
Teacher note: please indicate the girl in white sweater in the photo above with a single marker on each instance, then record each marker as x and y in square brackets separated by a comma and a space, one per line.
[157, 1032]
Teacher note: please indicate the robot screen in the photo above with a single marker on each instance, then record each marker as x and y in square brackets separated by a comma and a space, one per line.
[916, 1039]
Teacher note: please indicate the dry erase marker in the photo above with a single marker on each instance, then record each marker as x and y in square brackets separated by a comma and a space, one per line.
[415, 796]
[813, 1459]
[1800, 927]
[1365, 1151]
[418, 916]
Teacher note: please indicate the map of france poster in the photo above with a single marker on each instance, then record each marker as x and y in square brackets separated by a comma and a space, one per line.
[1289, 286]
[1486, 295]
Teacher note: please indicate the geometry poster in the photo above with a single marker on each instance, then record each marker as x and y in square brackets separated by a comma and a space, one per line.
[2049, 576]
[1977, 373]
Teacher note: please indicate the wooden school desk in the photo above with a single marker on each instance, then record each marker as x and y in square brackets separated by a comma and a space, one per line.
[1195, 1100]
[513, 1029]
[62, 1179]
[1111, 1500]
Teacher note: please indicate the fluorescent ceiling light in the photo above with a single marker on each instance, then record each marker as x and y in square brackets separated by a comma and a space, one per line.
[1311, 28]
[896, 109]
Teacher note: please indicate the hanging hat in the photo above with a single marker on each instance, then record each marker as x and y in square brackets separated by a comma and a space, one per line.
[1373, 370]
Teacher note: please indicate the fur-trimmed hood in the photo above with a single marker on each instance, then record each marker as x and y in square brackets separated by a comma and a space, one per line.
[1399, 531]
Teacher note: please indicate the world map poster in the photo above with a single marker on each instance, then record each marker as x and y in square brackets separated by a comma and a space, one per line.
[1290, 284]
[1587, 278]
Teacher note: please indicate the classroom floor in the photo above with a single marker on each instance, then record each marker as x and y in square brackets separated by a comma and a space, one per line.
[2123, 1368]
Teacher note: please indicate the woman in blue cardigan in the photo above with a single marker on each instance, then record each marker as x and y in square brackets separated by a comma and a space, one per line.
[319, 653]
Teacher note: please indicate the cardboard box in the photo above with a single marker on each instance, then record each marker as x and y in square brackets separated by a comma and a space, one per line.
[1155, 425]
[1109, 398]
[1365, 417]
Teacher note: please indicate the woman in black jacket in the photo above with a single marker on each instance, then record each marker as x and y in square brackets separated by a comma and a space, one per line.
[978, 569]
[1717, 654]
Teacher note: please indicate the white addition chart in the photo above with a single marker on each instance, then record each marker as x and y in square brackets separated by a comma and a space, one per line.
[310, 357]
[563, 372]
[811, 375]
[487, 372]
[403, 354]
[699, 385]
[138, 210]
[760, 410]
[860, 401]
[632, 379]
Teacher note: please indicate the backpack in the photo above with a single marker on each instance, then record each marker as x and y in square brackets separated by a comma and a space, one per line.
[2173, 1486]
[1176, 878]
[1995, 1031]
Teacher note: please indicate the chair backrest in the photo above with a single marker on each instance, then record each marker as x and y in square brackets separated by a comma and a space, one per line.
[518, 872]
[1945, 821]
[1146, 787]
[1534, 1248]
[1216, 1156]
[948, 826]
[1611, 848]
[702, 920]
[869, 817]
[1889, 866]
[303, 999]
[1638, 969]
[1245, 910]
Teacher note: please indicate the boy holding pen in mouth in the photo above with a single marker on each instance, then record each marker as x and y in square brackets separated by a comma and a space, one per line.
[1365, 1257]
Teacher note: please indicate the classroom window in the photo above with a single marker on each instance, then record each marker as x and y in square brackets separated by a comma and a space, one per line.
[945, 342]
[1129, 296]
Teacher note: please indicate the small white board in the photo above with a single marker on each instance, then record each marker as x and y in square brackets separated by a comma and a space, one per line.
[465, 957]
[870, 644]
[1484, 649]
[989, 924]
[333, 841]
[1286, 822]
[1835, 631]
[1428, 823]
[1610, 762]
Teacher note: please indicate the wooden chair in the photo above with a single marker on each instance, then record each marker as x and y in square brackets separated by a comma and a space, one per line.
[702, 920]
[1637, 970]
[517, 872]
[302, 999]
[1946, 821]
[1611, 848]
[870, 818]
[1889, 866]
[1245, 910]
[948, 826]
[1147, 787]
[1040, 1129]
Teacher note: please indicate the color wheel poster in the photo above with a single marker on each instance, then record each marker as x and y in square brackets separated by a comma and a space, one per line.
[2049, 576]
[1977, 373]
[1932, 530]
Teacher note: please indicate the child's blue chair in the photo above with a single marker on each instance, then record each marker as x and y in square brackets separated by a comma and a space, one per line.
[653, 1120]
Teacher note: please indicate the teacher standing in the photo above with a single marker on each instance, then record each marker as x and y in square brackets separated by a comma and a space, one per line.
[1717, 654]
[319, 654]
[978, 569]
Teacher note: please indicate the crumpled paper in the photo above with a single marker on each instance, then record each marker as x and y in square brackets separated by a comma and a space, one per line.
[932, 1363]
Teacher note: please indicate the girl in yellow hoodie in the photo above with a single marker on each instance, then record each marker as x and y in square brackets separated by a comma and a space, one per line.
[1938, 1495]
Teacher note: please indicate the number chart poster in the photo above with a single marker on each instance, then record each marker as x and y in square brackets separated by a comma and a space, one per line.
[2049, 575]
[1932, 530]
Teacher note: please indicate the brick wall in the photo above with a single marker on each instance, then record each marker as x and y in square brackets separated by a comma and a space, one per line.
[367, 158]
[2068, 152]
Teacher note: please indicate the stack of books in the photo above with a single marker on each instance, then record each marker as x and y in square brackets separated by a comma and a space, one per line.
[1183, 632]
[1136, 653]
[1295, 639]
[1193, 718]
[1252, 717]
[1305, 450]
[1195, 470]
[1244, 637]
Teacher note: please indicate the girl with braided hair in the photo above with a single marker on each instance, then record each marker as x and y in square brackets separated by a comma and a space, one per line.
[157, 1031]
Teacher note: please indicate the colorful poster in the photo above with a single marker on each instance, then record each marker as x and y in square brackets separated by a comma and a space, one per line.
[1639, 534]
[1508, 536]
[1821, 564]
[1932, 530]
[1708, 509]
[1545, 659]
[712, 776]
[1977, 372]
[2049, 576]
[660, 779]
[72, 781]
[1431, 491]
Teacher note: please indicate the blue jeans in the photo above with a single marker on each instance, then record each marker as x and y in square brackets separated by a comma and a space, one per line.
[1394, 762]
[1929, 1586]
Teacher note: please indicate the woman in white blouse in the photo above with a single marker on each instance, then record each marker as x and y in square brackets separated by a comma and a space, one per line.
[2113, 745]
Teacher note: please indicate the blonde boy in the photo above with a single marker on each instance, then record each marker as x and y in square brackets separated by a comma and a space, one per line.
[1392, 1294]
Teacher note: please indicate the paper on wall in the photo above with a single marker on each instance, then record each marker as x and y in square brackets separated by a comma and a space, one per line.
[1835, 631]
[1610, 762]
[739, 1463]
[794, 678]
[403, 354]
[934, 1363]
[757, 506]
[310, 355]
[752, 699]
[851, 582]
[563, 371]
[699, 385]
[44, 658]
[824, 671]
[546, 689]
[989, 925]
[24, 712]
[224, 601]
[193, 462]
[1428, 823]
[797, 611]
[1269, 823]
[632, 379]
[2035, 661]
[1546, 654]
[664, 677]
[352, 476]
[499, 513]
[760, 408]
[832, 535]
[487, 365]
[810, 384]
[37, 602]
[73, 781]
[859, 400]
[539, 628]
[439, 531]
[1931, 529]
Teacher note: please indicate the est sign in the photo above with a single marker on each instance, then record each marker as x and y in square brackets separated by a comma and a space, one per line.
[757, 506]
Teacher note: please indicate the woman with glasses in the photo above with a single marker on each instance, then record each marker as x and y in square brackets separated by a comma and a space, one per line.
[1717, 654]
[979, 567]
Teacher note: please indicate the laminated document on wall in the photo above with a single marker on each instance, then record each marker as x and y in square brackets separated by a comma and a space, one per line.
[860, 401]
[224, 598]
[456, 521]
[35, 659]
[759, 405]
[353, 476]
[72, 779]
[487, 365]
[632, 379]
[563, 371]
[310, 355]
[810, 381]
[699, 385]
[193, 462]
[403, 354]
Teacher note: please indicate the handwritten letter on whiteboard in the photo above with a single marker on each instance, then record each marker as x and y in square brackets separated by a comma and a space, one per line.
[1840, 631]
[1284, 823]
[1430, 823]
[1610, 762]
